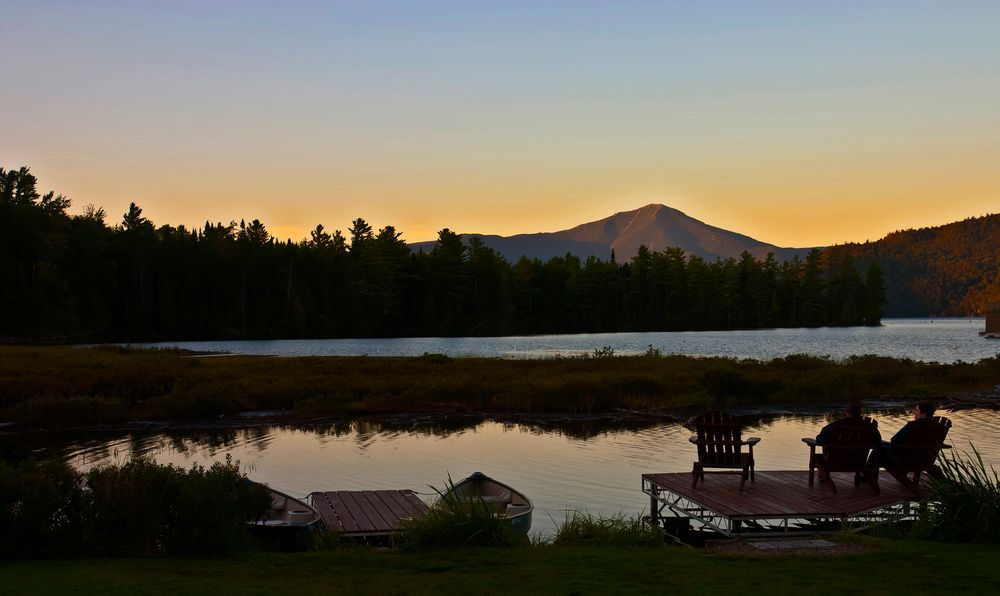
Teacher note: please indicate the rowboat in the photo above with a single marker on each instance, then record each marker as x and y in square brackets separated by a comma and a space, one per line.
[504, 499]
[288, 523]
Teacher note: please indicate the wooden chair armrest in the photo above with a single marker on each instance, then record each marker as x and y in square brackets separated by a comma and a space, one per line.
[809, 441]
[693, 439]
[751, 441]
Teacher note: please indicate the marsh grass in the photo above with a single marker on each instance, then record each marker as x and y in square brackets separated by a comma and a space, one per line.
[963, 505]
[454, 522]
[585, 529]
[63, 386]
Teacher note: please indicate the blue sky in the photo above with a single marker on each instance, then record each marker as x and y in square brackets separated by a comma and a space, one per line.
[797, 123]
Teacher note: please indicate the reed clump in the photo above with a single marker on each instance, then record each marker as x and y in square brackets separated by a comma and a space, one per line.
[456, 522]
[964, 504]
[585, 529]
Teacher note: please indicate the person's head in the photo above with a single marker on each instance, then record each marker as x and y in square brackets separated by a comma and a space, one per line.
[853, 409]
[925, 409]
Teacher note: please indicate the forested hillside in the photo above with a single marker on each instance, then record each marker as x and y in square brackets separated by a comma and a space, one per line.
[76, 278]
[947, 270]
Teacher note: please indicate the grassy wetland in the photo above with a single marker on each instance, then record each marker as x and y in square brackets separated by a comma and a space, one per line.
[65, 386]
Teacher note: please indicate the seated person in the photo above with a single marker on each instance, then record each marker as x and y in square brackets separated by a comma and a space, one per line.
[922, 415]
[852, 418]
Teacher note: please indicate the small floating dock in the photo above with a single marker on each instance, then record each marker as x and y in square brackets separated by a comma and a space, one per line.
[780, 502]
[367, 513]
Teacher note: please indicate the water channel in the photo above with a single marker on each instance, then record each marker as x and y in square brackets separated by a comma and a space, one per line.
[591, 467]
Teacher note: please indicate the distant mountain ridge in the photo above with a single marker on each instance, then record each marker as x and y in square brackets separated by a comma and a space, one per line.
[656, 226]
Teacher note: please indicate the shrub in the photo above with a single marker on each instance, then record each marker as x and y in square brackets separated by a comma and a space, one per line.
[620, 530]
[140, 508]
[212, 509]
[604, 352]
[964, 504]
[40, 504]
[129, 507]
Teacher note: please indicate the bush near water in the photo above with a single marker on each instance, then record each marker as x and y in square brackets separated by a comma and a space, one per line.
[139, 508]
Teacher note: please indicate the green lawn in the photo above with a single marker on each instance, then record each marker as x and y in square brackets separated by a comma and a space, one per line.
[889, 567]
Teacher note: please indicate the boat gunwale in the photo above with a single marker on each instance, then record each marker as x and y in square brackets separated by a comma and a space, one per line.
[473, 477]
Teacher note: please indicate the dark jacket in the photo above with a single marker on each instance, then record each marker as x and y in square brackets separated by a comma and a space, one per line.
[900, 436]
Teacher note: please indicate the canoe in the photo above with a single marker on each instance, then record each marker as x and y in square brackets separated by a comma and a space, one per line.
[288, 523]
[480, 487]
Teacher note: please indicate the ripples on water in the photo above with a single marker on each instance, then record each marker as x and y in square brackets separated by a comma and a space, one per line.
[940, 340]
[597, 471]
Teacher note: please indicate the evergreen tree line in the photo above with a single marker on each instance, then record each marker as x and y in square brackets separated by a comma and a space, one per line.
[77, 278]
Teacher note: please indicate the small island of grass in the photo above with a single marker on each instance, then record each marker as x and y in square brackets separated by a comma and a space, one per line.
[57, 387]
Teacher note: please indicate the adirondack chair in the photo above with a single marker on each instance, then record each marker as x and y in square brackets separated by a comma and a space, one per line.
[918, 450]
[718, 437]
[851, 446]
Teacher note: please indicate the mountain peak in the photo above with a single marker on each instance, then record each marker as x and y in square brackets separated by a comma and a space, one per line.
[655, 226]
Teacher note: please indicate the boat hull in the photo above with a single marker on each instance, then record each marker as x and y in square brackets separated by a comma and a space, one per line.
[289, 524]
[515, 505]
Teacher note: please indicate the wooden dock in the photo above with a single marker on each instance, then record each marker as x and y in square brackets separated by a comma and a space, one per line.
[367, 513]
[779, 502]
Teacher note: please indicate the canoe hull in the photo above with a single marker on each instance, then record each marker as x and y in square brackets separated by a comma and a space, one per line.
[289, 524]
[514, 504]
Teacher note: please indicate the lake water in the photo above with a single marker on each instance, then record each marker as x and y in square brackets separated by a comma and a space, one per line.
[930, 340]
[576, 469]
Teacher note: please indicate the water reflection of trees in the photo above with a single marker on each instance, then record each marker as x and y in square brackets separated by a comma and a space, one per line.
[443, 427]
[88, 448]
[98, 448]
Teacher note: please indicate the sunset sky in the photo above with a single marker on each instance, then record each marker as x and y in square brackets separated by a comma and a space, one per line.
[797, 123]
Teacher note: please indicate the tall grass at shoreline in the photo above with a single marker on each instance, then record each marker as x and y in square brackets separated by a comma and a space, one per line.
[453, 522]
[585, 529]
[964, 504]
[65, 386]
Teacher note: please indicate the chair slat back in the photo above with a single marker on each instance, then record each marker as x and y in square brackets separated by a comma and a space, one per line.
[923, 442]
[850, 443]
[719, 439]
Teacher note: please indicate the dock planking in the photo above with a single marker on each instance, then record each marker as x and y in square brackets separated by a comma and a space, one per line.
[363, 513]
[776, 500]
[783, 494]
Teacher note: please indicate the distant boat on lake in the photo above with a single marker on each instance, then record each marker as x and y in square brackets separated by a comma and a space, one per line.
[992, 329]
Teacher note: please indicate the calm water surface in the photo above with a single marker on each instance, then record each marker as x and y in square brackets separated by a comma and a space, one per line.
[595, 471]
[940, 340]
